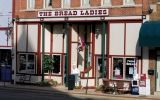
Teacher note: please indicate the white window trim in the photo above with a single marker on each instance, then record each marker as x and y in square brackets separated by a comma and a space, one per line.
[26, 70]
[85, 5]
[128, 4]
[28, 4]
[124, 67]
[106, 5]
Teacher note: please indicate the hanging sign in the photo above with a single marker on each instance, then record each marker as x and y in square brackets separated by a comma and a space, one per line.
[73, 13]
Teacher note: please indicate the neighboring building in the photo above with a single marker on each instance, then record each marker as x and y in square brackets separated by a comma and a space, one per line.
[150, 42]
[5, 35]
[100, 37]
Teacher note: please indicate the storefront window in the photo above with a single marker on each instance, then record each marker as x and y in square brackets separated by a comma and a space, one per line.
[124, 68]
[26, 63]
[118, 68]
[130, 65]
[99, 67]
[57, 63]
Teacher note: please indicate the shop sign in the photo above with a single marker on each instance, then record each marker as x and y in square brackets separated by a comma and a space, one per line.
[73, 13]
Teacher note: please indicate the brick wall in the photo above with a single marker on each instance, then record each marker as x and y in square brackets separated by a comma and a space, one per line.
[116, 10]
[152, 64]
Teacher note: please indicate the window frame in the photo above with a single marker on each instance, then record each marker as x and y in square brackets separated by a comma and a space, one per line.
[124, 68]
[27, 71]
[31, 4]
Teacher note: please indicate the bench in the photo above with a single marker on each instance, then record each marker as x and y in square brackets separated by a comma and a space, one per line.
[116, 86]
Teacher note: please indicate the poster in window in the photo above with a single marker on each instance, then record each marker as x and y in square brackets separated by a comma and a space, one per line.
[131, 70]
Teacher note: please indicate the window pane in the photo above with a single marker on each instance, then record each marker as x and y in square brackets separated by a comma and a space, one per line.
[48, 3]
[129, 1]
[56, 63]
[106, 2]
[130, 64]
[118, 68]
[99, 67]
[85, 2]
[31, 4]
[22, 62]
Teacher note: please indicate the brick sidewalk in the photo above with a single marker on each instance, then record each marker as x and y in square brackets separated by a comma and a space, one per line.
[62, 89]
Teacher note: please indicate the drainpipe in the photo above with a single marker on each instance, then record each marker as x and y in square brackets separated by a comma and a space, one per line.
[67, 42]
[43, 46]
[103, 48]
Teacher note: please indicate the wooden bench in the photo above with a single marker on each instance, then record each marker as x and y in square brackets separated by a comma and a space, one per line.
[116, 86]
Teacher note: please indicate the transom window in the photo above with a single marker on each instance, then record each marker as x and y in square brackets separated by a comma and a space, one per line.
[47, 3]
[31, 4]
[124, 68]
[66, 3]
[85, 3]
[26, 63]
[129, 2]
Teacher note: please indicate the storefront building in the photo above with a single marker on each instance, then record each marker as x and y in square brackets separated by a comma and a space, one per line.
[149, 41]
[99, 37]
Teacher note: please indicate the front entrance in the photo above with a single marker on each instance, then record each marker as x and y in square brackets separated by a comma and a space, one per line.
[158, 74]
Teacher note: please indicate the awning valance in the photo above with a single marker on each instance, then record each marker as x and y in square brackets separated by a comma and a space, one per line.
[149, 35]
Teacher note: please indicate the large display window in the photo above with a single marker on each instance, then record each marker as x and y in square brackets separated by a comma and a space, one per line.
[124, 68]
[26, 63]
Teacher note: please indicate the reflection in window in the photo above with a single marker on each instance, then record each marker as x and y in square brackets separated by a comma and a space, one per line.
[26, 63]
[118, 68]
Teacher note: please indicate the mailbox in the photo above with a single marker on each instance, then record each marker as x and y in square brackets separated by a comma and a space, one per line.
[150, 72]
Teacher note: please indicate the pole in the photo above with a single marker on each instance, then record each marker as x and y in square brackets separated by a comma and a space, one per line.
[67, 42]
[103, 48]
[43, 46]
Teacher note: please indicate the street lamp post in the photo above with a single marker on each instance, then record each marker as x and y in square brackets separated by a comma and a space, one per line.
[43, 47]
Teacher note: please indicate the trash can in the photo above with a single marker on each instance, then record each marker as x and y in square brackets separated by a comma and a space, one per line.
[6, 73]
[71, 82]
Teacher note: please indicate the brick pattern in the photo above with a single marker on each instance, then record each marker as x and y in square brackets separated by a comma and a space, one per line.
[20, 7]
[75, 3]
[152, 64]
[95, 3]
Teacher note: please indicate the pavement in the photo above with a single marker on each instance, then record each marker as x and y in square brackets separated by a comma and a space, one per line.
[84, 92]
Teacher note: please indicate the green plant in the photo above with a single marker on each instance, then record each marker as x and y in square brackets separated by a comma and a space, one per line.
[48, 64]
[49, 82]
